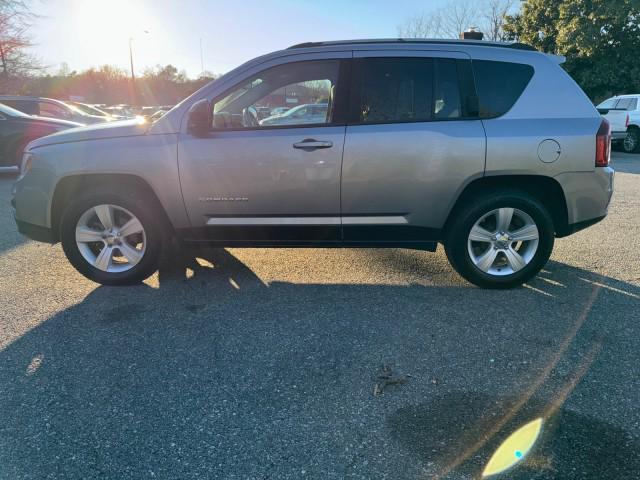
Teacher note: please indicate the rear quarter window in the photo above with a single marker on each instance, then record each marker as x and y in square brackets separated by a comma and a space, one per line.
[499, 85]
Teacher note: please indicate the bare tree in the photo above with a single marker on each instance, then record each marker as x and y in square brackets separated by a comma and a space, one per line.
[15, 20]
[457, 16]
[421, 26]
[495, 12]
[445, 22]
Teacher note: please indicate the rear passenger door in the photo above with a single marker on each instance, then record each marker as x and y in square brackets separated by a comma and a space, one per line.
[412, 143]
[618, 115]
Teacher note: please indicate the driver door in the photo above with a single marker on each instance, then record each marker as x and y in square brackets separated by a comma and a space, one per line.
[270, 178]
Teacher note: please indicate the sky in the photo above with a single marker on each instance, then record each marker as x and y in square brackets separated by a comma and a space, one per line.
[90, 33]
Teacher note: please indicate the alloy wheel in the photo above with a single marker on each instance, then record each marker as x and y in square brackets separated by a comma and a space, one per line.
[110, 238]
[503, 241]
[631, 141]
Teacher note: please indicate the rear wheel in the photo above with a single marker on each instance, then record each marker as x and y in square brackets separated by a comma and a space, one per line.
[112, 238]
[500, 240]
[631, 143]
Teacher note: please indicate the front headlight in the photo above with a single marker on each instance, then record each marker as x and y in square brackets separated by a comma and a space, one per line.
[25, 166]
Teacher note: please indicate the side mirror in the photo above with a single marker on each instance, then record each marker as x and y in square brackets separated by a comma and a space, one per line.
[603, 111]
[200, 118]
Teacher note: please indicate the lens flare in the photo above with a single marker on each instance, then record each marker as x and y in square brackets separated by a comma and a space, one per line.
[514, 449]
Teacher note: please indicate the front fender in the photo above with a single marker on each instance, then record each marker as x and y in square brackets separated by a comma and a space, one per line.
[152, 158]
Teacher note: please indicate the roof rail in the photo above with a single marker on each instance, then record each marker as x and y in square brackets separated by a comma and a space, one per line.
[513, 45]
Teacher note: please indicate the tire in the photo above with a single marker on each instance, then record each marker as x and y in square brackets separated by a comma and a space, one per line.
[125, 205]
[631, 144]
[526, 211]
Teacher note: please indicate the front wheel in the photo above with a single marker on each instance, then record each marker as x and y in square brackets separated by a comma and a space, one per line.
[500, 240]
[112, 238]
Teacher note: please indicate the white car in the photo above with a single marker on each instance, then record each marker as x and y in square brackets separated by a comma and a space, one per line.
[306, 114]
[623, 113]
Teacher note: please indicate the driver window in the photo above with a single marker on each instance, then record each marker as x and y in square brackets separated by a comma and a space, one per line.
[294, 94]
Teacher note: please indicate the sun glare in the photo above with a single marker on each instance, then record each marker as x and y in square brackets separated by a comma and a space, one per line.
[105, 26]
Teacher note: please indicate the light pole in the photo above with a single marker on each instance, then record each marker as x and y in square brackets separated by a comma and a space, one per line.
[201, 58]
[133, 97]
[133, 75]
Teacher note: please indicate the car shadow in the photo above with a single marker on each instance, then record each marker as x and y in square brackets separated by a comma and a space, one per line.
[214, 373]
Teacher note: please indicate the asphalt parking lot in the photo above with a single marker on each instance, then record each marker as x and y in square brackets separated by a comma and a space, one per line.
[261, 364]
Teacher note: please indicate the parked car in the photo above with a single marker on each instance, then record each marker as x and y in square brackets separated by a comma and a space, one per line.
[157, 115]
[263, 112]
[17, 129]
[279, 110]
[623, 113]
[92, 110]
[302, 114]
[120, 111]
[48, 107]
[412, 152]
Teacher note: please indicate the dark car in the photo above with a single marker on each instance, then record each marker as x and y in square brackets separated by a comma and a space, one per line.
[17, 129]
[49, 107]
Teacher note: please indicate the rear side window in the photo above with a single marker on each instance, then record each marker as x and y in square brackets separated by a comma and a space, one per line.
[30, 108]
[447, 91]
[393, 90]
[499, 85]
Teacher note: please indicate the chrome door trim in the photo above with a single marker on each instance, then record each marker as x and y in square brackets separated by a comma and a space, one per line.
[375, 220]
[266, 221]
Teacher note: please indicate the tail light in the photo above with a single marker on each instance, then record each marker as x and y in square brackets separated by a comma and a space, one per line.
[603, 144]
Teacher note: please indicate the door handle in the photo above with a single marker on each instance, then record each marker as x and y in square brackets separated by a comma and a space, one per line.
[310, 144]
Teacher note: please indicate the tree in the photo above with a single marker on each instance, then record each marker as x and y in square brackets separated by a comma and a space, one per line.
[15, 20]
[457, 16]
[600, 38]
[421, 26]
[445, 22]
[536, 24]
[495, 14]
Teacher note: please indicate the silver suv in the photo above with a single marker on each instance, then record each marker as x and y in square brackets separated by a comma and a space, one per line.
[457, 142]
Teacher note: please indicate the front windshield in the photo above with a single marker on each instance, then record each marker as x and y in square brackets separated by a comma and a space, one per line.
[610, 103]
[12, 112]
